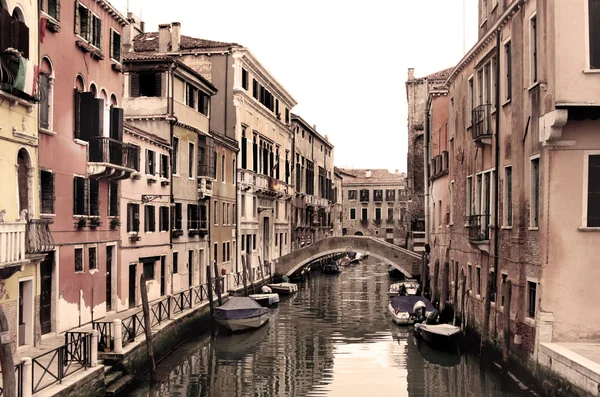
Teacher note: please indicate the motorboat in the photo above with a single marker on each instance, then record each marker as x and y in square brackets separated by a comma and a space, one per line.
[402, 308]
[332, 268]
[266, 298]
[284, 288]
[445, 337]
[411, 286]
[406, 287]
[345, 261]
[395, 289]
[241, 314]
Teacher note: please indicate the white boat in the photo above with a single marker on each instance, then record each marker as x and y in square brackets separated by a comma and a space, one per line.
[284, 288]
[266, 298]
[411, 287]
[241, 314]
[440, 336]
[395, 289]
[402, 308]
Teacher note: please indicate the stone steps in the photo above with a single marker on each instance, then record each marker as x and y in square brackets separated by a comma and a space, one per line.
[119, 386]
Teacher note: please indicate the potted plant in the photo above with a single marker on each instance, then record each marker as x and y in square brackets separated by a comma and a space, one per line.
[95, 222]
[82, 222]
[114, 222]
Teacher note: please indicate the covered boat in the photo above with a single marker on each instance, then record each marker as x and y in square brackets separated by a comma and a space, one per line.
[284, 288]
[240, 314]
[266, 298]
[402, 308]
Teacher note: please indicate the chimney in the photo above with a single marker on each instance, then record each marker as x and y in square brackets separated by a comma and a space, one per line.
[411, 74]
[131, 31]
[164, 37]
[314, 127]
[175, 36]
[368, 173]
[396, 172]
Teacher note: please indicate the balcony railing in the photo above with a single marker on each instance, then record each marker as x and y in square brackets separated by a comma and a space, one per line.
[482, 123]
[12, 243]
[111, 152]
[479, 230]
[38, 237]
[9, 69]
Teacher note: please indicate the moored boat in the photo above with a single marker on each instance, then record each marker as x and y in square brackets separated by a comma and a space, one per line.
[411, 286]
[402, 308]
[265, 299]
[439, 336]
[241, 314]
[284, 288]
[332, 268]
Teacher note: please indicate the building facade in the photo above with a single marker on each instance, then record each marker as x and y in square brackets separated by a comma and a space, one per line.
[338, 206]
[374, 204]
[170, 100]
[523, 171]
[82, 155]
[313, 173]
[25, 240]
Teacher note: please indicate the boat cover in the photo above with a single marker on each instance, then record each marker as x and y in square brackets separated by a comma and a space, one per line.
[407, 303]
[239, 307]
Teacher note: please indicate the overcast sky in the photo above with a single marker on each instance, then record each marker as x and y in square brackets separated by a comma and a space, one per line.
[344, 61]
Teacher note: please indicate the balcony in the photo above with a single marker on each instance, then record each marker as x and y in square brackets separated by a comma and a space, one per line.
[9, 68]
[377, 197]
[38, 238]
[108, 157]
[12, 244]
[482, 126]
[479, 231]
[198, 227]
[205, 187]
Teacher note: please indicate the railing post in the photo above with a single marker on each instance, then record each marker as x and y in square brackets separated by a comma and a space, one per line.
[118, 336]
[171, 307]
[26, 385]
[94, 347]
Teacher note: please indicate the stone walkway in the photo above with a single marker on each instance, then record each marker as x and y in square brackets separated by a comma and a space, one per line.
[578, 363]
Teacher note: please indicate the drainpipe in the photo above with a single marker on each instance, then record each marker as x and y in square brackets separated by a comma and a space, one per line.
[425, 162]
[171, 119]
[497, 179]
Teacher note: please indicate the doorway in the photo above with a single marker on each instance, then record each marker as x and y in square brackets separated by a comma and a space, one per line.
[163, 265]
[46, 293]
[25, 317]
[109, 272]
[266, 242]
[202, 261]
[190, 268]
[132, 277]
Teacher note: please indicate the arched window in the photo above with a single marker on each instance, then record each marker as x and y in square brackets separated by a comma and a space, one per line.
[25, 181]
[94, 90]
[223, 168]
[244, 148]
[46, 88]
[79, 83]
[106, 119]
[113, 100]
[15, 33]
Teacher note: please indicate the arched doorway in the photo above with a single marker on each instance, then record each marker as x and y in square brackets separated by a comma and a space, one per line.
[359, 234]
[24, 182]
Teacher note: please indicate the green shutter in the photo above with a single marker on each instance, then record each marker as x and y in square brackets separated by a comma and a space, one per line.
[76, 22]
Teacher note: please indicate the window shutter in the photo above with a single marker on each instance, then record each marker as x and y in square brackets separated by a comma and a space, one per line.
[117, 46]
[47, 193]
[44, 105]
[593, 209]
[76, 22]
[189, 217]
[57, 10]
[244, 146]
[98, 117]
[89, 28]
[23, 39]
[98, 22]
[136, 217]
[76, 113]
[173, 218]
[158, 84]
[86, 195]
[85, 115]
[116, 123]
[14, 33]
[5, 29]
[205, 101]
[94, 197]
[594, 27]
[134, 85]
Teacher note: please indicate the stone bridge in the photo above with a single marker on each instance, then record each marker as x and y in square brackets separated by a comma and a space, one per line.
[408, 262]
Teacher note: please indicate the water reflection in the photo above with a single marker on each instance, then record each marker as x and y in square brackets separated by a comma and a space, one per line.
[333, 338]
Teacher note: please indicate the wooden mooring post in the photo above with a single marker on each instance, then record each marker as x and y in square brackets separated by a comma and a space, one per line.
[445, 288]
[147, 326]
[217, 283]
[434, 288]
[455, 297]
[9, 383]
[209, 289]
[261, 273]
[506, 345]
[463, 303]
[486, 323]
[244, 275]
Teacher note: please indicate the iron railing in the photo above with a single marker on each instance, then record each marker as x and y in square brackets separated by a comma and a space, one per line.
[19, 380]
[111, 151]
[133, 326]
[38, 238]
[9, 68]
[479, 229]
[481, 122]
[105, 335]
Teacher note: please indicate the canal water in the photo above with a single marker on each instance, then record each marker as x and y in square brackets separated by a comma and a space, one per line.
[333, 338]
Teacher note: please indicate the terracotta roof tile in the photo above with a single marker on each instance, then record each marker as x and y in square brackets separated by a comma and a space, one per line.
[441, 75]
[359, 176]
[136, 56]
[148, 42]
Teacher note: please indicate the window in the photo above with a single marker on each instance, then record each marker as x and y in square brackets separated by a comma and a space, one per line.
[531, 298]
[508, 202]
[224, 252]
[92, 264]
[478, 280]
[352, 213]
[245, 79]
[78, 259]
[45, 106]
[254, 241]
[149, 218]
[164, 219]
[216, 212]
[508, 70]
[492, 278]
[175, 155]
[364, 195]
[254, 207]
[469, 194]
[113, 198]
[452, 203]
[150, 162]
[51, 7]
[390, 195]
[470, 274]
[233, 171]
[190, 95]
[533, 46]
[192, 217]
[115, 45]
[94, 195]
[15, 34]
[243, 205]
[81, 196]
[47, 192]
[365, 214]
[88, 26]
[164, 166]
[175, 262]
[216, 252]
[177, 217]
[145, 84]
[534, 204]
[149, 271]
[594, 33]
[504, 278]
[223, 168]
[224, 215]
[133, 217]
[190, 160]
[471, 99]
[593, 192]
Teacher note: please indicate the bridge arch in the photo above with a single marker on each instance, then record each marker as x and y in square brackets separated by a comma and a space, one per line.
[408, 262]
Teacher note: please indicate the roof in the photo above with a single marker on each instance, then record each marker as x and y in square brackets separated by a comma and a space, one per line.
[130, 128]
[383, 176]
[294, 116]
[442, 75]
[148, 42]
[136, 56]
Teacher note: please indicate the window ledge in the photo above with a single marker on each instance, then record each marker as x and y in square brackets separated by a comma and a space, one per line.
[529, 321]
[506, 227]
[533, 85]
[47, 132]
[53, 25]
[80, 142]
[591, 71]
[588, 229]
[507, 102]
[533, 229]
[14, 100]
[43, 216]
